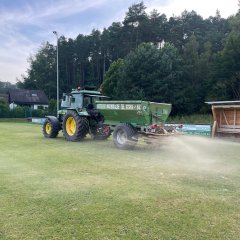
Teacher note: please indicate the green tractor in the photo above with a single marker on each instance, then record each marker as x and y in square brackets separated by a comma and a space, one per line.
[85, 111]
[77, 117]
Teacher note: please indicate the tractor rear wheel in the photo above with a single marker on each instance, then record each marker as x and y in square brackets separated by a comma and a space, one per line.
[51, 127]
[75, 127]
[125, 137]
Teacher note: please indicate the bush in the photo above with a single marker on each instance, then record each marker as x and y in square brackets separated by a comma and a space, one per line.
[52, 107]
[4, 109]
[39, 113]
[20, 112]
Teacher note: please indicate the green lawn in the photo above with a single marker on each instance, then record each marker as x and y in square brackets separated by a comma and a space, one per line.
[189, 188]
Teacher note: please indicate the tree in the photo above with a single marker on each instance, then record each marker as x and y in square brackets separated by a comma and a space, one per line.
[42, 71]
[226, 70]
[157, 27]
[147, 73]
[4, 109]
[135, 26]
[82, 48]
[197, 62]
[7, 85]
[217, 29]
[112, 77]
[52, 107]
[180, 29]
[195, 73]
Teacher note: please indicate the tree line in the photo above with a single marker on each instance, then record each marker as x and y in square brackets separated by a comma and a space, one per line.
[184, 60]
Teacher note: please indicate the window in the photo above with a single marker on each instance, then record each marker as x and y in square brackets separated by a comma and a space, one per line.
[95, 99]
[86, 101]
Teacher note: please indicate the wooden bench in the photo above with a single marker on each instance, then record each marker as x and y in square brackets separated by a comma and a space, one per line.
[228, 129]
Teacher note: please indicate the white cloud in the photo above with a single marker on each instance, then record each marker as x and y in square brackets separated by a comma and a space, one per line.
[16, 46]
[67, 8]
[15, 49]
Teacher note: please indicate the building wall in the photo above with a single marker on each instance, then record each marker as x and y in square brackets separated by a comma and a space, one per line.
[34, 107]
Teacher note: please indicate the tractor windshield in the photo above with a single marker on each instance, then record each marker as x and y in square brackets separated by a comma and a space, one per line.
[90, 100]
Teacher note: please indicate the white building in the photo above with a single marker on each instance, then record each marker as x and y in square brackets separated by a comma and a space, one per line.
[29, 98]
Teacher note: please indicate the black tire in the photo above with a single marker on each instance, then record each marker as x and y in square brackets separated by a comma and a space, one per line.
[125, 137]
[51, 127]
[75, 127]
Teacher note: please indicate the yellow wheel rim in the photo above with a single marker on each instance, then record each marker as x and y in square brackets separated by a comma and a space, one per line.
[48, 128]
[71, 126]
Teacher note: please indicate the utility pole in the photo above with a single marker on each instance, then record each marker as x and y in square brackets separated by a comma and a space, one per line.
[55, 33]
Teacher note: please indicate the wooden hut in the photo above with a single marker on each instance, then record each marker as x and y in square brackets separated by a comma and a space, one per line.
[226, 116]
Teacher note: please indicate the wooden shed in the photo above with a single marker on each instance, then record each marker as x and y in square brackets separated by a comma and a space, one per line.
[226, 119]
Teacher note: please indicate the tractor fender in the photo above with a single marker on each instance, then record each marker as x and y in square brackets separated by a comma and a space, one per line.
[54, 121]
[84, 114]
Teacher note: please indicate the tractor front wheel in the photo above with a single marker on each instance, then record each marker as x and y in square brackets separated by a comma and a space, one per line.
[51, 127]
[125, 137]
[75, 127]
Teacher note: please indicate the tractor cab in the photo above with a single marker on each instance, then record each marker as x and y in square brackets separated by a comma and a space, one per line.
[81, 100]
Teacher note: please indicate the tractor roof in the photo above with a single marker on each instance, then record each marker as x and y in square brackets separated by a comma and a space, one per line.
[86, 92]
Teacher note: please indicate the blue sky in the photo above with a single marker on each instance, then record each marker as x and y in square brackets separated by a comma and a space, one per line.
[26, 24]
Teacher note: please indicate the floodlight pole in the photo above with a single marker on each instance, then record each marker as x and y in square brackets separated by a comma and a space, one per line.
[55, 33]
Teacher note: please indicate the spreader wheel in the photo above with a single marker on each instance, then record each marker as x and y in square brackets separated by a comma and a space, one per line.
[125, 137]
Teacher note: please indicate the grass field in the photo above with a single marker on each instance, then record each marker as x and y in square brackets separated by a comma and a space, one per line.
[189, 188]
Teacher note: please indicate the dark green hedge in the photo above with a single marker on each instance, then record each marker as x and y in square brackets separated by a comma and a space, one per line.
[25, 112]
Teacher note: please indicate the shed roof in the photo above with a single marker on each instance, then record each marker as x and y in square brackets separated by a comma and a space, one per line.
[22, 96]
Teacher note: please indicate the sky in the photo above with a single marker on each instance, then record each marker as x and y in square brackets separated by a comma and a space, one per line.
[26, 24]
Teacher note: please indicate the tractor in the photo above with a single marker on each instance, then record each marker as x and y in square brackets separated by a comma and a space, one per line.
[86, 111]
